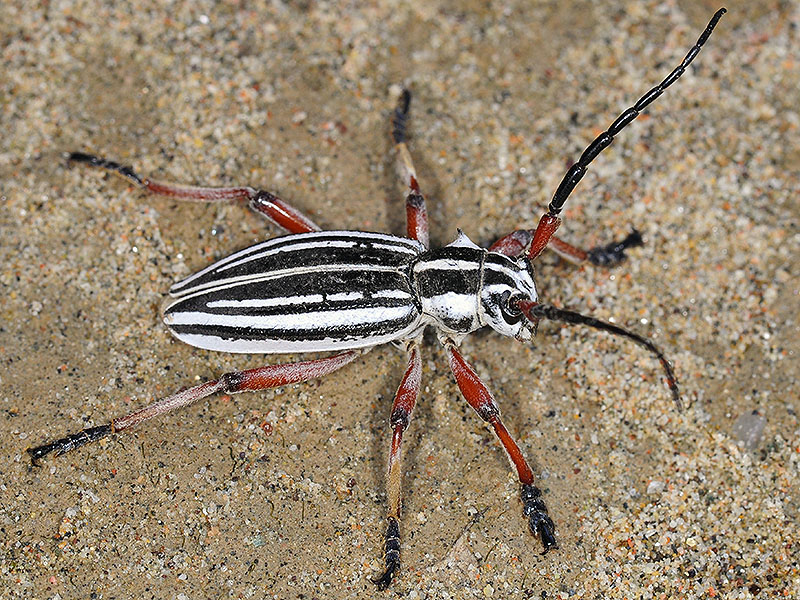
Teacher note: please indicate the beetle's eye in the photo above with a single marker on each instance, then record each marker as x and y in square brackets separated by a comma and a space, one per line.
[509, 308]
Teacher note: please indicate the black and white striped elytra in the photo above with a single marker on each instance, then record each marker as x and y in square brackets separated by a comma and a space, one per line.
[338, 290]
[345, 291]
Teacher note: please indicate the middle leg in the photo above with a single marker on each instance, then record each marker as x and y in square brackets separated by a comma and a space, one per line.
[482, 401]
[416, 211]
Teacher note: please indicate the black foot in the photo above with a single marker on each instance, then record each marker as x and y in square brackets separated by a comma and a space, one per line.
[539, 521]
[614, 253]
[391, 553]
[70, 442]
[104, 163]
[400, 116]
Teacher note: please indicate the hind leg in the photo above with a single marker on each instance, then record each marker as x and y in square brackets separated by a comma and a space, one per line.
[235, 382]
[264, 203]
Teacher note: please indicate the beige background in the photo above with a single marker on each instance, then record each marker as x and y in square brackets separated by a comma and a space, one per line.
[295, 97]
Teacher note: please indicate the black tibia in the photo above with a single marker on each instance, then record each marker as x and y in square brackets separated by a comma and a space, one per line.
[539, 521]
[400, 117]
[103, 163]
[391, 548]
[70, 442]
[614, 253]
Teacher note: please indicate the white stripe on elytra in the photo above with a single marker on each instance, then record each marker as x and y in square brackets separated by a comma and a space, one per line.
[393, 243]
[344, 296]
[279, 346]
[265, 302]
[447, 264]
[398, 248]
[287, 248]
[257, 277]
[310, 299]
[312, 320]
[394, 294]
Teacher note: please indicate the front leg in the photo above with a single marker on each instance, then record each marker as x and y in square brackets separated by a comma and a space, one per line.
[482, 401]
[608, 255]
[264, 203]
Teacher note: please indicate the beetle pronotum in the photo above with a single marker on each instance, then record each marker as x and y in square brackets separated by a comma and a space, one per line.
[347, 291]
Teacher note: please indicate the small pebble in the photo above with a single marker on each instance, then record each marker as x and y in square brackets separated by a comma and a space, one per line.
[749, 429]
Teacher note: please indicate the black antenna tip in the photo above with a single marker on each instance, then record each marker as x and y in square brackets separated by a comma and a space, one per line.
[81, 157]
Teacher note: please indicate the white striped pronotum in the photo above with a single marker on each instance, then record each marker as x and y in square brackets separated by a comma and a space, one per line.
[347, 291]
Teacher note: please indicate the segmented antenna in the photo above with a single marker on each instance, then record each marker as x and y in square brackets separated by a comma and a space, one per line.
[576, 172]
[533, 312]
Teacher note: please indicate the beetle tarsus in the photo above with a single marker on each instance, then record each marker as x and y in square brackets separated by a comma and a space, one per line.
[391, 554]
[539, 521]
[614, 253]
[70, 442]
[103, 163]
[400, 117]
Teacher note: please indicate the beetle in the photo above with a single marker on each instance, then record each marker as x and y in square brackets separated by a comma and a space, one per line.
[349, 291]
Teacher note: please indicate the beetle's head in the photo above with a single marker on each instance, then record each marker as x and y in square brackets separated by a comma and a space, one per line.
[506, 281]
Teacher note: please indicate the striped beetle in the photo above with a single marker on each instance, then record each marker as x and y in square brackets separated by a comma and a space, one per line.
[348, 291]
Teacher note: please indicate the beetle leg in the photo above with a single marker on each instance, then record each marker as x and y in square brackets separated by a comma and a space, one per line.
[264, 203]
[281, 213]
[514, 244]
[404, 402]
[416, 212]
[608, 255]
[482, 401]
[235, 382]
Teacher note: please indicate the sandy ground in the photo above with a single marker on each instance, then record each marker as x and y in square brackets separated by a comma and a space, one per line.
[212, 503]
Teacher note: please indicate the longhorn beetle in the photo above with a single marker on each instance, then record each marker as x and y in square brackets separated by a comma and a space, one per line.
[348, 291]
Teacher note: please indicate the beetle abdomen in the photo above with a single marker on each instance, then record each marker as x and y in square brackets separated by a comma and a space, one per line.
[300, 293]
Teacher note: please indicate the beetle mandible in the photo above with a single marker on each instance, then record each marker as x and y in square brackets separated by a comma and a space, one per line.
[348, 291]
